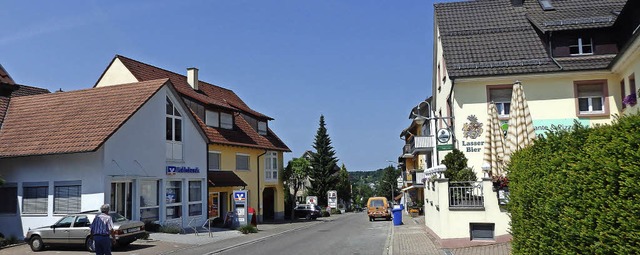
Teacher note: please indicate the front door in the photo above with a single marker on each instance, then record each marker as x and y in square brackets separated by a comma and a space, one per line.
[121, 193]
[269, 204]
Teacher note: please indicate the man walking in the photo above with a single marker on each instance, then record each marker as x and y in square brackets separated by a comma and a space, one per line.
[101, 230]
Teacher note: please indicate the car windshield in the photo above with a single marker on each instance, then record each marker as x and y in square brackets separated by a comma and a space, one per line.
[116, 217]
[377, 203]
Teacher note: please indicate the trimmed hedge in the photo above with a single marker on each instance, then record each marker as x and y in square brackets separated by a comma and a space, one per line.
[578, 191]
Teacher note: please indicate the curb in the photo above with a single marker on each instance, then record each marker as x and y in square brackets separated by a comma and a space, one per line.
[390, 241]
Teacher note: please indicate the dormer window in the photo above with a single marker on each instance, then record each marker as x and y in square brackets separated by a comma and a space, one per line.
[226, 120]
[584, 46]
[262, 127]
[219, 119]
[213, 119]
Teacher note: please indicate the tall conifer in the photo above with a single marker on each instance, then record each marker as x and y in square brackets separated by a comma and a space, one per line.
[324, 170]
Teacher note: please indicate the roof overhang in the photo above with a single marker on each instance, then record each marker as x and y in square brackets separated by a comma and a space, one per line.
[224, 179]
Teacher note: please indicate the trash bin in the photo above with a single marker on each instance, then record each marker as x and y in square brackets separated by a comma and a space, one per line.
[397, 215]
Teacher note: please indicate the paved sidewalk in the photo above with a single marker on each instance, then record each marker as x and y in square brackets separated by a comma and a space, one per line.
[412, 238]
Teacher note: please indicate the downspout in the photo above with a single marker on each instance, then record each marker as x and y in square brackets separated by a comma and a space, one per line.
[450, 104]
[551, 51]
[259, 212]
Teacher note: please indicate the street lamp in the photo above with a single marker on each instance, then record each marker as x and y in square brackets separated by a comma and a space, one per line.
[486, 167]
[419, 119]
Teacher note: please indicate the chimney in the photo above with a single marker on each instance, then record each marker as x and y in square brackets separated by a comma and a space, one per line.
[192, 77]
[517, 3]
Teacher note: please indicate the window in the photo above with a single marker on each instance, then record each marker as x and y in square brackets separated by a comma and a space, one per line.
[501, 96]
[226, 120]
[262, 127]
[81, 221]
[632, 84]
[195, 198]
[35, 197]
[174, 199]
[622, 92]
[271, 166]
[584, 47]
[9, 198]
[214, 161]
[242, 162]
[65, 222]
[149, 200]
[66, 197]
[173, 132]
[213, 119]
[591, 97]
[482, 231]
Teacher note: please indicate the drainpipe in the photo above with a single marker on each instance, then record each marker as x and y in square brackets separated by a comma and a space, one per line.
[551, 51]
[259, 212]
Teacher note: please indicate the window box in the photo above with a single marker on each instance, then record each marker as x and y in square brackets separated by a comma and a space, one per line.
[630, 100]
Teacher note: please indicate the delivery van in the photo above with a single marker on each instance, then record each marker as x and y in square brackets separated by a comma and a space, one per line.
[378, 207]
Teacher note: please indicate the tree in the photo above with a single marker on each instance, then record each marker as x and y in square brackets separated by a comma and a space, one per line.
[457, 169]
[388, 186]
[294, 177]
[344, 185]
[323, 175]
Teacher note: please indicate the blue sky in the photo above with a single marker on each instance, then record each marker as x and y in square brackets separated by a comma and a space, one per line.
[362, 64]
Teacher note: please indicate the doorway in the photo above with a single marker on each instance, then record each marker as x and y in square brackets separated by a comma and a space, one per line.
[268, 198]
[121, 194]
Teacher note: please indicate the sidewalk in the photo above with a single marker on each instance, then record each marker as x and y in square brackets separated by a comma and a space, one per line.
[411, 238]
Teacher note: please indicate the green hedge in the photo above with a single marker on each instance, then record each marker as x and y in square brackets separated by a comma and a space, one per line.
[578, 191]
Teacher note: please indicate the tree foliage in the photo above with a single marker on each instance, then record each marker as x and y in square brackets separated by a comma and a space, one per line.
[344, 185]
[457, 169]
[294, 177]
[577, 191]
[323, 175]
[388, 184]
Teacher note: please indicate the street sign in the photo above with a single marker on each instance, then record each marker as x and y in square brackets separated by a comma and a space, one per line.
[444, 147]
[444, 135]
[332, 196]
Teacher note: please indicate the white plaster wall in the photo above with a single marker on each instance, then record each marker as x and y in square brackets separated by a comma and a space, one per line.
[65, 167]
[137, 151]
[116, 73]
[629, 64]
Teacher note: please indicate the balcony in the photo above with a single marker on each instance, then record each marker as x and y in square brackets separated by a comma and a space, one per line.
[406, 151]
[421, 144]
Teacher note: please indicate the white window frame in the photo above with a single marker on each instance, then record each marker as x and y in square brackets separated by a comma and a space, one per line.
[147, 206]
[503, 106]
[248, 161]
[174, 146]
[271, 166]
[58, 198]
[212, 118]
[178, 199]
[29, 205]
[195, 201]
[581, 46]
[262, 127]
[219, 161]
[226, 120]
[591, 100]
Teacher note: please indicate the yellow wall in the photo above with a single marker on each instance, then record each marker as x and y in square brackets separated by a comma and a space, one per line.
[629, 63]
[228, 163]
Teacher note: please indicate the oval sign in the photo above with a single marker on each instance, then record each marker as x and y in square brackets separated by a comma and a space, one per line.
[443, 135]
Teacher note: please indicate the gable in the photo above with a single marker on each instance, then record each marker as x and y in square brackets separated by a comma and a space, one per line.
[116, 73]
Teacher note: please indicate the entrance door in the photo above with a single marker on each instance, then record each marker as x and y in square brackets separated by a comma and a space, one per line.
[121, 193]
[269, 204]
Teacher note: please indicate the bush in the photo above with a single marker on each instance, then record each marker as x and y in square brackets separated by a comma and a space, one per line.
[171, 229]
[576, 192]
[325, 214]
[246, 229]
[338, 212]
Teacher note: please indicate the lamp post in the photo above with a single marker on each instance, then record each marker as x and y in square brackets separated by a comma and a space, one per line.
[420, 120]
[486, 167]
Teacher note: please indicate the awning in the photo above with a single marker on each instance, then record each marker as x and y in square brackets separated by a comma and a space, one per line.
[408, 188]
[224, 179]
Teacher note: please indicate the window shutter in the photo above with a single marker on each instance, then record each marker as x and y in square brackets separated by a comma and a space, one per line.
[591, 90]
[500, 95]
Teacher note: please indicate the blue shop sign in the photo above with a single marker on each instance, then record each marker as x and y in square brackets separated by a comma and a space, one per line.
[172, 170]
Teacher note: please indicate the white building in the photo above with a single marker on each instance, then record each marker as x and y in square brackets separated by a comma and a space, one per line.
[134, 146]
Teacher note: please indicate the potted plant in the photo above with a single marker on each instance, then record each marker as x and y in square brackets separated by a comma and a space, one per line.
[500, 182]
[630, 100]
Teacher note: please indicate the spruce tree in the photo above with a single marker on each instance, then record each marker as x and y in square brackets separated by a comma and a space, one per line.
[323, 174]
[344, 185]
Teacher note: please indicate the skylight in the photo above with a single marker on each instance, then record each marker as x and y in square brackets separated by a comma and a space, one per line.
[546, 5]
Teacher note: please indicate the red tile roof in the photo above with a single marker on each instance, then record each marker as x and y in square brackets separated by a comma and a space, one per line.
[70, 122]
[213, 96]
[4, 76]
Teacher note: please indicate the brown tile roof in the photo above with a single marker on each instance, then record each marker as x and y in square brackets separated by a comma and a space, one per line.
[224, 179]
[492, 37]
[4, 76]
[213, 96]
[574, 14]
[70, 122]
[9, 90]
[24, 90]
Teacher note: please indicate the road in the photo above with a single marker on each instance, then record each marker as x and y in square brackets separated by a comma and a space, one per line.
[352, 234]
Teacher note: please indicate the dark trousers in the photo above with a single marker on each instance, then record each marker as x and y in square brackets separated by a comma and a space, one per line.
[103, 244]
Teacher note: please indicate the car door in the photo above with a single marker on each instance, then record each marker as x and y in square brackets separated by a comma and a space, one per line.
[80, 230]
[59, 233]
[298, 211]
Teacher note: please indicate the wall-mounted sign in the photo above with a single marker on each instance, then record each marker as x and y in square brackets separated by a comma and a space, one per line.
[473, 128]
[444, 147]
[444, 135]
[172, 170]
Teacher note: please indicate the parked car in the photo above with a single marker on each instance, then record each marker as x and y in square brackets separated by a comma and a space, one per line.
[378, 207]
[73, 229]
[307, 211]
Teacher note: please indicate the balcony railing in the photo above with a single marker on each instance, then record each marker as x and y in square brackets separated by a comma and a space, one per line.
[406, 151]
[466, 195]
[421, 144]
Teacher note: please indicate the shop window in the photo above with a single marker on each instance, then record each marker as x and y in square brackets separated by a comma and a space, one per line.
[174, 199]
[149, 200]
[213, 119]
[242, 162]
[9, 198]
[173, 130]
[482, 231]
[35, 198]
[214, 161]
[271, 166]
[66, 197]
[591, 97]
[226, 120]
[195, 198]
[501, 97]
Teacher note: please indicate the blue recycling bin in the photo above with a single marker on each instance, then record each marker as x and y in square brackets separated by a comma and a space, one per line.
[397, 215]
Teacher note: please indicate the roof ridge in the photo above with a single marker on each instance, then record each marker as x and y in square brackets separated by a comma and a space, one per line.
[97, 88]
[150, 65]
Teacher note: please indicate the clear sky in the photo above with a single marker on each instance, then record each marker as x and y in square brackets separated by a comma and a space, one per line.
[362, 64]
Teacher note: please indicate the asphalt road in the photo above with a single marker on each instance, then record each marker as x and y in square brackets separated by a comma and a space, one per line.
[353, 234]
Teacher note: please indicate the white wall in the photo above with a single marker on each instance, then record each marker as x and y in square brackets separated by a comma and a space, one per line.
[116, 73]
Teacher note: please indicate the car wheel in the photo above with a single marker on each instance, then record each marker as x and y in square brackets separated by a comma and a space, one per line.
[308, 217]
[89, 244]
[370, 219]
[36, 243]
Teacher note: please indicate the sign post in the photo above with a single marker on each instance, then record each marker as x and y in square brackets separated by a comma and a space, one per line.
[332, 197]
[240, 204]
